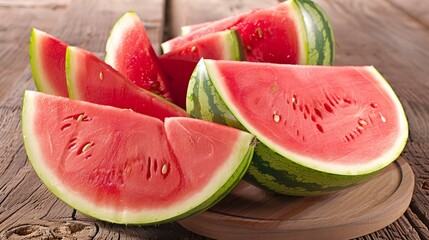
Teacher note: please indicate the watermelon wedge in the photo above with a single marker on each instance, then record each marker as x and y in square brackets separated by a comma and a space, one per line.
[120, 166]
[179, 64]
[321, 128]
[47, 56]
[129, 51]
[292, 32]
[90, 79]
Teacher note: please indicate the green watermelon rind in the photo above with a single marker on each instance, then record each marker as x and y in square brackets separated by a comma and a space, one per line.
[271, 168]
[42, 82]
[314, 32]
[319, 34]
[233, 48]
[226, 178]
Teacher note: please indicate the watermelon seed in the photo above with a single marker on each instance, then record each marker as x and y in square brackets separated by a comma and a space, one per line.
[80, 118]
[373, 105]
[383, 119]
[307, 109]
[276, 117]
[249, 48]
[347, 100]
[319, 127]
[328, 108]
[294, 100]
[65, 126]
[362, 122]
[259, 31]
[164, 169]
[101, 75]
[360, 129]
[193, 48]
[86, 147]
[318, 113]
[148, 173]
[313, 118]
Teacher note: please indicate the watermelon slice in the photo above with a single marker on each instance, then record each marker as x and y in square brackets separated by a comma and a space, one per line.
[179, 64]
[129, 51]
[90, 79]
[120, 166]
[47, 55]
[321, 128]
[293, 32]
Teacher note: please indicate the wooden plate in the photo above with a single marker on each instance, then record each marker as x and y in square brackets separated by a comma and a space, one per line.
[251, 213]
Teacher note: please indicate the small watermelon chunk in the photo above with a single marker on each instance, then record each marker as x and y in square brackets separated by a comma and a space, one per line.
[90, 79]
[123, 167]
[129, 51]
[179, 63]
[47, 56]
[291, 32]
[321, 128]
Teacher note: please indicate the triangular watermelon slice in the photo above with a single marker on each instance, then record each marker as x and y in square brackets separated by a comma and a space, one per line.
[292, 32]
[47, 56]
[90, 79]
[321, 128]
[179, 63]
[129, 51]
[120, 166]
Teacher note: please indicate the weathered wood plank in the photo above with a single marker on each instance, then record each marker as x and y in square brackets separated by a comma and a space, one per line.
[188, 12]
[416, 11]
[27, 209]
[15, 27]
[391, 34]
[381, 34]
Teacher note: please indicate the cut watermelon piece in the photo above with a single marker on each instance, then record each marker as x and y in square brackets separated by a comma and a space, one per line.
[292, 32]
[129, 51]
[120, 166]
[180, 63]
[47, 56]
[321, 128]
[90, 79]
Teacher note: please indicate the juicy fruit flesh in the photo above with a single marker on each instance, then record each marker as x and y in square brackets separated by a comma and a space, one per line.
[312, 113]
[92, 80]
[121, 166]
[47, 58]
[262, 32]
[129, 51]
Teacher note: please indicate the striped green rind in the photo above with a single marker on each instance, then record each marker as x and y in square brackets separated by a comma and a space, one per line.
[320, 36]
[204, 102]
[272, 171]
[268, 169]
[229, 177]
[235, 48]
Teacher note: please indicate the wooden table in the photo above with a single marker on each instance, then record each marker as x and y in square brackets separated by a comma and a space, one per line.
[392, 35]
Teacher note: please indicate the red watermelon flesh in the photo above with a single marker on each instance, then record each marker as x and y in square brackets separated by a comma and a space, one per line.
[336, 119]
[262, 32]
[92, 80]
[47, 56]
[178, 72]
[179, 63]
[130, 51]
[120, 166]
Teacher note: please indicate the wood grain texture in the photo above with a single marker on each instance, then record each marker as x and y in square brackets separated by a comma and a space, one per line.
[15, 27]
[392, 35]
[252, 213]
[188, 12]
[389, 37]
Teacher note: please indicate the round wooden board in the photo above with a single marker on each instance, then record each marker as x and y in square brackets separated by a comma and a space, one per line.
[252, 213]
